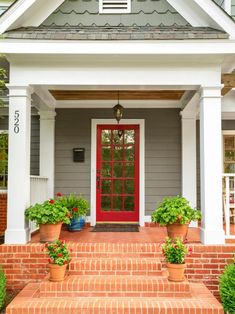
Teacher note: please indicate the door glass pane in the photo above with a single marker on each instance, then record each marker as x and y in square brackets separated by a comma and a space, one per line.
[117, 186]
[129, 170]
[129, 203]
[117, 203]
[106, 186]
[105, 203]
[129, 187]
[129, 136]
[129, 153]
[117, 170]
[117, 153]
[117, 137]
[106, 153]
[106, 137]
[106, 170]
[229, 153]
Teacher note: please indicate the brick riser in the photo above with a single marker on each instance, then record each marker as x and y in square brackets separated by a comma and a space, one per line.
[128, 286]
[116, 266]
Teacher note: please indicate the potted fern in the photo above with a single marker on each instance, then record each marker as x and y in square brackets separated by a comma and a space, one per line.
[175, 213]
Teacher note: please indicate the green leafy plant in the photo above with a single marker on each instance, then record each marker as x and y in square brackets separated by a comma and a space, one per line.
[49, 212]
[2, 288]
[77, 206]
[58, 252]
[227, 288]
[175, 251]
[175, 210]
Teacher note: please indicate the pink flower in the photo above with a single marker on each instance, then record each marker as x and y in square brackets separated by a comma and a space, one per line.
[51, 201]
[59, 194]
[59, 255]
[75, 209]
[190, 251]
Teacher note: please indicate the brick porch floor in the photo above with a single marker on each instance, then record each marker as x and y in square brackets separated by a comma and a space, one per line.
[146, 235]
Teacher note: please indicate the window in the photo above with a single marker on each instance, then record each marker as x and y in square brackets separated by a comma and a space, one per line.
[229, 153]
[114, 6]
[3, 159]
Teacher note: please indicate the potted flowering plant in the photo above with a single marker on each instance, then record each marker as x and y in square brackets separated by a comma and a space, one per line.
[59, 257]
[175, 251]
[49, 216]
[175, 213]
[78, 207]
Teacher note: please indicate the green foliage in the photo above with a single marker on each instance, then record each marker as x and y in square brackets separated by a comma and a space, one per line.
[3, 78]
[77, 206]
[227, 288]
[2, 288]
[174, 251]
[58, 252]
[175, 210]
[49, 212]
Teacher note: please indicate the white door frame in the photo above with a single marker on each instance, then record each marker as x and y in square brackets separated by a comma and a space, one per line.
[141, 123]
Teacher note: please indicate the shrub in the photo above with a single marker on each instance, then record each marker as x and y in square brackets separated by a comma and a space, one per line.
[175, 210]
[175, 251]
[2, 288]
[77, 206]
[227, 288]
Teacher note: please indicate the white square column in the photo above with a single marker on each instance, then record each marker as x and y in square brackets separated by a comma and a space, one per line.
[189, 159]
[211, 166]
[17, 231]
[47, 148]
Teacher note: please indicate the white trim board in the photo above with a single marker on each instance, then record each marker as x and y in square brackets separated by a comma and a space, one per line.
[141, 123]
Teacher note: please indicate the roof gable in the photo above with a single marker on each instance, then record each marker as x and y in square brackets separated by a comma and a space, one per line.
[143, 13]
[34, 13]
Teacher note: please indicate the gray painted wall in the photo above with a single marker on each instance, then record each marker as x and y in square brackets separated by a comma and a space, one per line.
[233, 9]
[143, 12]
[34, 166]
[162, 144]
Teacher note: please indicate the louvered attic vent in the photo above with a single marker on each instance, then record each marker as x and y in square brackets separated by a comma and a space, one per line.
[115, 6]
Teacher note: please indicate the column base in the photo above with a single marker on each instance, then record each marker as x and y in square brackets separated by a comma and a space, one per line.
[210, 237]
[17, 236]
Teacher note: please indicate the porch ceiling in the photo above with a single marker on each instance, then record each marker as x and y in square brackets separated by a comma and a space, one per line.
[113, 95]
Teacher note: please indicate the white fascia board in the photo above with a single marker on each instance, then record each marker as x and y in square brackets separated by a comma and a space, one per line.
[27, 13]
[223, 47]
[218, 15]
[202, 13]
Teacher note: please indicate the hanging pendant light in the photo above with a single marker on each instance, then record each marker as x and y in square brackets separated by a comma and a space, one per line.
[118, 111]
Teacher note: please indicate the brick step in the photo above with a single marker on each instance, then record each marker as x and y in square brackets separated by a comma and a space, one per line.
[202, 302]
[142, 286]
[135, 249]
[115, 266]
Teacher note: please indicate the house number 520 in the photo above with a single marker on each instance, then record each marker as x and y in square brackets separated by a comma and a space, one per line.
[17, 122]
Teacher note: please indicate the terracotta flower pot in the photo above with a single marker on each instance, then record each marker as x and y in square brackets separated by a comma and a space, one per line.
[57, 272]
[177, 230]
[176, 272]
[50, 232]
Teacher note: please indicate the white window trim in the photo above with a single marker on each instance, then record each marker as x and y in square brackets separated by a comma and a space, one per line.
[114, 11]
[141, 123]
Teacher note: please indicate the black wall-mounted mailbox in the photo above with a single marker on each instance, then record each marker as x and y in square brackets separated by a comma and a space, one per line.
[79, 154]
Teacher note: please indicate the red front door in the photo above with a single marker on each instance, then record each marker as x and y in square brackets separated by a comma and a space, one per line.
[117, 185]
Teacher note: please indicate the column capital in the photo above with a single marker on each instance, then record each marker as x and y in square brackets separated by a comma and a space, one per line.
[210, 91]
[47, 114]
[20, 90]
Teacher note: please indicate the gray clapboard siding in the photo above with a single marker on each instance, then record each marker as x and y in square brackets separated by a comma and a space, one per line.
[233, 9]
[162, 151]
[34, 161]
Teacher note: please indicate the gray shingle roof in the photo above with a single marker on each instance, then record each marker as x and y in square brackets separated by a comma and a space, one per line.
[116, 33]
